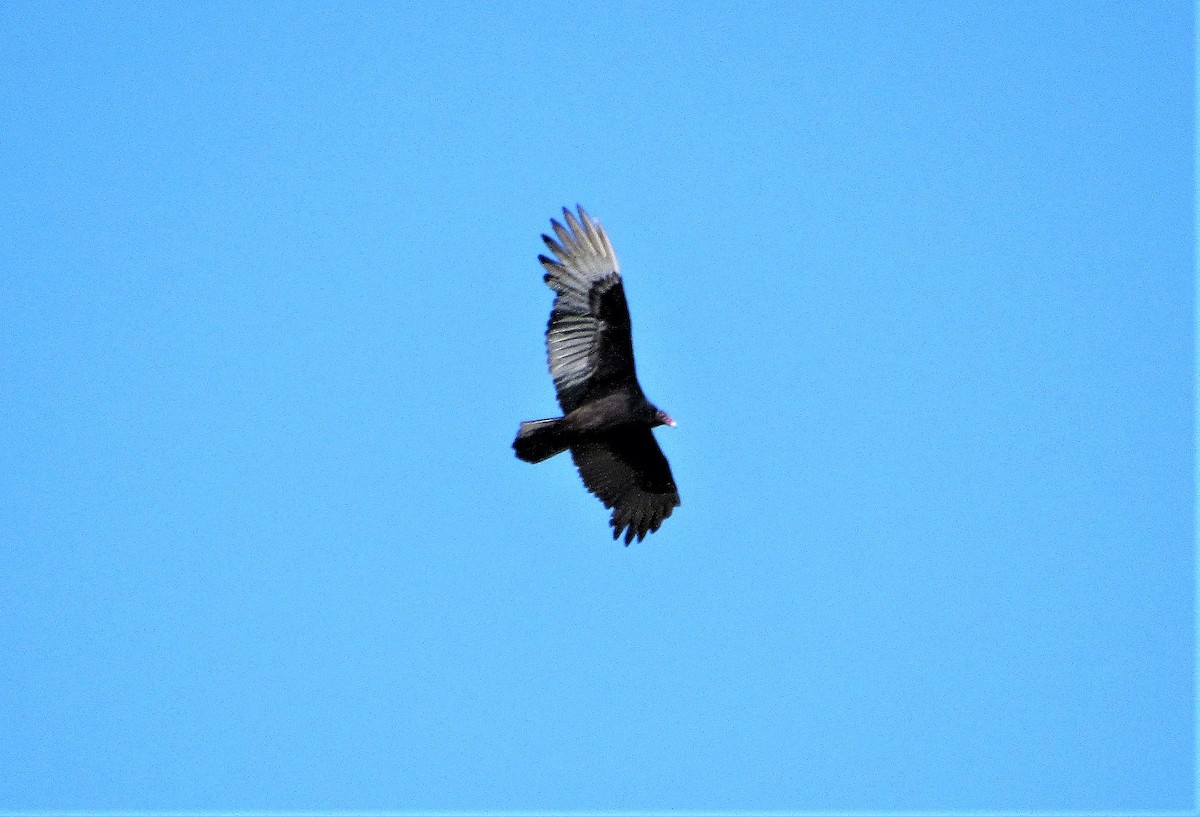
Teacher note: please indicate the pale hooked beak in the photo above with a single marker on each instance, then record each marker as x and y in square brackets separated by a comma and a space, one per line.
[667, 420]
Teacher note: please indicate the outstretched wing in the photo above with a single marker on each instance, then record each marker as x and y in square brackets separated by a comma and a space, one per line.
[587, 341]
[627, 471]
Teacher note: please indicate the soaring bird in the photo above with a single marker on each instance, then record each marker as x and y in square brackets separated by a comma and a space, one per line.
[606, 418]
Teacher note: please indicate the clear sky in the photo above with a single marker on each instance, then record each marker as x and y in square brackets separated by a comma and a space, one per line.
[915, 279]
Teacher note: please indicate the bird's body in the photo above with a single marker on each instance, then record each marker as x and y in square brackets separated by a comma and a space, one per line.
[607, 418]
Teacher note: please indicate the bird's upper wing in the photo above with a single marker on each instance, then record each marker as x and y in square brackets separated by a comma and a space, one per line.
[628, 472]
[587, 341]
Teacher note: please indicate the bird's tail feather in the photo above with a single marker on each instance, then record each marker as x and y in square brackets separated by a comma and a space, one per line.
[539, 440]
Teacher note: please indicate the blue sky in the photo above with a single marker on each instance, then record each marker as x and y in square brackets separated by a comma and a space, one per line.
[915, 279]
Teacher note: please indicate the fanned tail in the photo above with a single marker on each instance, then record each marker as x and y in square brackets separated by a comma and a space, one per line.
[539, 440]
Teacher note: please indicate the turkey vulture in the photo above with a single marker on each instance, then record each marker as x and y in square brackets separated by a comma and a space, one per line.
[607, 419]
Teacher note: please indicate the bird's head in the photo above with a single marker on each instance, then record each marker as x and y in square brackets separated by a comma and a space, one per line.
[661, 418]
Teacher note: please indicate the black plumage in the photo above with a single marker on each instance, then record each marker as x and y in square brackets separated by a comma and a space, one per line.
[606, 418]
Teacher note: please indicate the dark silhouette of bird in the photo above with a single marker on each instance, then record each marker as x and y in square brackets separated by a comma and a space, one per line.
[606, 418]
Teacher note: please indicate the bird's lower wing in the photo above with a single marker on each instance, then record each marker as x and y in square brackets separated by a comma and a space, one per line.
[627, 471]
